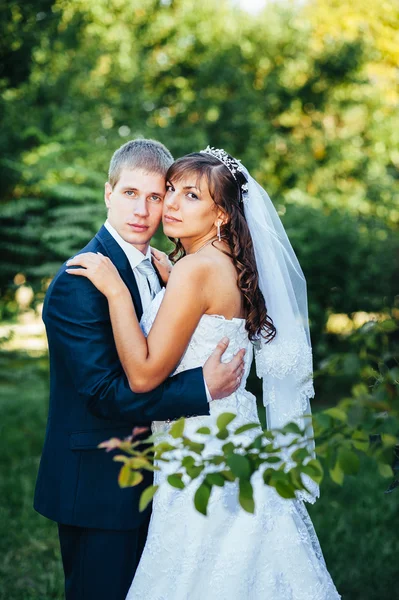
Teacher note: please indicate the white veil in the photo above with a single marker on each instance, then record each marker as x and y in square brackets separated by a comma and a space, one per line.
[285, 363]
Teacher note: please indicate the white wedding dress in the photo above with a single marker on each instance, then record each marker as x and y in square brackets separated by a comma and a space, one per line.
[230, 554]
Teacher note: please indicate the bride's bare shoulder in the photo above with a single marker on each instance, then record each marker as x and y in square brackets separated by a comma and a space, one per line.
[192, 267]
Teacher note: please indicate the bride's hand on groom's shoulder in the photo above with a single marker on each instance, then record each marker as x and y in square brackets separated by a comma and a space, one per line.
[162, 264]
[100, 270]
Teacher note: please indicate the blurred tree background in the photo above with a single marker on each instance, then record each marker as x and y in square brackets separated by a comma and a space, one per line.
[305, 93]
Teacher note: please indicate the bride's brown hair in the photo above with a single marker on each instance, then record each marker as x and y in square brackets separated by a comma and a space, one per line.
[225, 192]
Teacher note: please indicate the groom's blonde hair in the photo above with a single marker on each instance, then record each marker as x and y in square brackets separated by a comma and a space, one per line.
[149, 155]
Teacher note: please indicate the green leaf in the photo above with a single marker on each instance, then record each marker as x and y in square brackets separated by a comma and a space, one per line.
[337, 413]
[322, 449]
[215, 479]
[129, 478]
[138, 463]
[337, 474]
[314, 469]
[279, 475]
[228, 475]
[222, 434]
[322, 420]
[389, 441]
[204, 430]
[360, 441]
[267, 476]
[188, 461]
[201, 498]
[246, 496]
[175, 480]
[360, 390]
[194, 471]
[292, 428]
[246, 427]
[228, 448]
[177, 429]
[193, 446]
[385, 470]
[296, 479]
[239, 465]
[348, 461]
[147, 496]
[300, 455]
[121, 458]
[257, 443]
[224, 419]
[217, 460]
[285, 489]
[388, 325]
[269, 448]
[272, 459]
[163, 447]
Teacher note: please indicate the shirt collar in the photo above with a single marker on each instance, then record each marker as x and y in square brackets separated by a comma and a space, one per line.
[134, 256]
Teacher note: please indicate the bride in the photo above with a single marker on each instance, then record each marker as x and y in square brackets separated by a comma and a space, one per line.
[237, 276]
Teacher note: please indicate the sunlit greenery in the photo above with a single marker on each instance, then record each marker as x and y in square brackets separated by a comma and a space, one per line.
[304, 93]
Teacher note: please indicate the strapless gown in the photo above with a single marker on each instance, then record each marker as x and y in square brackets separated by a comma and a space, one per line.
[229, 554]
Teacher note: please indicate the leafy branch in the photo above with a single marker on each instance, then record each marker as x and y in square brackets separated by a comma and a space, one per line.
[365, 423]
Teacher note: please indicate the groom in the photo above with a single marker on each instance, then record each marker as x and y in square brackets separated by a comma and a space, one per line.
[101, 531]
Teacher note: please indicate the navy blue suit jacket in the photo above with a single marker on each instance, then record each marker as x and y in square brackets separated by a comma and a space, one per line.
[90, 401]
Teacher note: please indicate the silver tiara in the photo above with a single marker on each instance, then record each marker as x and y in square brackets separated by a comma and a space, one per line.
[231, 163]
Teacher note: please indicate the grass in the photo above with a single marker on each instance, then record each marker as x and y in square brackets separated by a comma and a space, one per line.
[30, 567]
[356, 524]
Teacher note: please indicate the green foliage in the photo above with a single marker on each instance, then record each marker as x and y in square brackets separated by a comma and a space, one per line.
[177, 429]
[30, 561]
[147, 496]
[176, 481]
[201, 497]
[307, 104]
[245, 496]
[348, 261]
[371, 412]
[40, 233]
[366, 423]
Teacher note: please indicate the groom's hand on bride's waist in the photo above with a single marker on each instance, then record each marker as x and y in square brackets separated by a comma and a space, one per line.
[221, 378]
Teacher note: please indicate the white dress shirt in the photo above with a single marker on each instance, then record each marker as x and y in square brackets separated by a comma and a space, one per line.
[135, 257]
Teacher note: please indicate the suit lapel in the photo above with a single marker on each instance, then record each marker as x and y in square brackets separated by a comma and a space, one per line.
[119, 258]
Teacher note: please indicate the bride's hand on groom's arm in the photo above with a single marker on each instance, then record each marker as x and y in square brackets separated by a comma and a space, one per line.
[223, 379]
[162, 264]
[100, 270]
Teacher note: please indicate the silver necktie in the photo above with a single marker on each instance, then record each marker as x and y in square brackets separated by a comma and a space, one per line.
[146, 269]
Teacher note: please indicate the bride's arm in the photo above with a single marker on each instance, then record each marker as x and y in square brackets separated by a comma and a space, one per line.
[149, 361]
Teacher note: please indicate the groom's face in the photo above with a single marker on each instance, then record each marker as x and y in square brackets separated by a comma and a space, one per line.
[135, 205]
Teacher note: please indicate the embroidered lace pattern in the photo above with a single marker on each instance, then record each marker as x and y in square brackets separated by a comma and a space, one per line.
[284, 357]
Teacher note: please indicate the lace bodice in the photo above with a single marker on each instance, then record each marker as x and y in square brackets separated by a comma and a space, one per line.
[210, 330]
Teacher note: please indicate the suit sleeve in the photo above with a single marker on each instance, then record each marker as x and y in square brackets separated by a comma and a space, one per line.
[80, 338]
